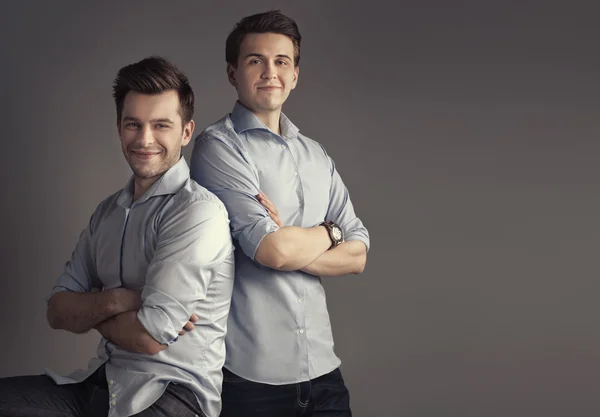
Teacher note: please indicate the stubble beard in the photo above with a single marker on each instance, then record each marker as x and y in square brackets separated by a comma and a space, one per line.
[157, 169]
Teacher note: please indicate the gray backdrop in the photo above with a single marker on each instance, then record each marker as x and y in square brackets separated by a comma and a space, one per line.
[466, 132]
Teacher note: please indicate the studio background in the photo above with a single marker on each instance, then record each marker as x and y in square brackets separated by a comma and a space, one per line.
[466, 132]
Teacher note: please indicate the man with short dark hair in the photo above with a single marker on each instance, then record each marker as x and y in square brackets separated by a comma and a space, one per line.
[152, 272]
[292, 221]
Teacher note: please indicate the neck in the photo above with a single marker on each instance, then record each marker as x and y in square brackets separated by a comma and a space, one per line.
[271, 120]
[141, 185]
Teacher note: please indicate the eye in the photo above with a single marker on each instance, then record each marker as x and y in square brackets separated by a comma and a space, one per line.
[162, 126]
[132, 125]
[282, 62]
[255, 61]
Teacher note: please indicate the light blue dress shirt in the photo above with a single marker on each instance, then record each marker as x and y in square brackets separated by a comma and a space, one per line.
[279, 330]
[174, 243]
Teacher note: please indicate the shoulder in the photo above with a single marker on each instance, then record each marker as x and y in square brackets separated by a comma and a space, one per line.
[312, 144]
[196, 202]
[220, 132]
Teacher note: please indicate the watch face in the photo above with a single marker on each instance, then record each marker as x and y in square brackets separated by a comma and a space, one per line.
[337, 233]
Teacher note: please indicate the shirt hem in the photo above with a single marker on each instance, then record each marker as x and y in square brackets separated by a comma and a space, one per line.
[310, 378]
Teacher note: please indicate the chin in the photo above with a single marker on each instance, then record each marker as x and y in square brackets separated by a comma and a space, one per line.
[269, 106]
[145, 172]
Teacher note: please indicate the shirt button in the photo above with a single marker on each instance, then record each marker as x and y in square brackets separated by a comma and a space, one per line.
[114, 395]
[113, 403]
[301, 331]
[282, 146]
[299, 300]
[295, 173]
[111, 382]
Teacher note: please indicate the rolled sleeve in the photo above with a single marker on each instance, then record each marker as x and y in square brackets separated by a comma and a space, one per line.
[341, 210]
[224, 170]
[193, 242]
[79, 271]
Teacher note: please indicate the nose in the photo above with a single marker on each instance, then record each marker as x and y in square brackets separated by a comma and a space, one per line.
[269, 73]
[145, 137]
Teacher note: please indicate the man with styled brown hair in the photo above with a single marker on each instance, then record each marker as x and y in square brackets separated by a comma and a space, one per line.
[292, 221]
[152, 272]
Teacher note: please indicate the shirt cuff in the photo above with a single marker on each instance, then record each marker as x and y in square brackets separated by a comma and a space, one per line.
[66, 283]
[254, 234]
[157, 316]
[358, 236]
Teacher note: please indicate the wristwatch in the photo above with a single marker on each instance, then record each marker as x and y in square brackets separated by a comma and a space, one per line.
[335, 233]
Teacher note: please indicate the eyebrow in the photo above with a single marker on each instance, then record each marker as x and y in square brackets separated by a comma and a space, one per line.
[252, 54]
[135, 119]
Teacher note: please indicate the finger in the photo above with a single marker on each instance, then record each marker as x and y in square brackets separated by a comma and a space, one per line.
[277, 220]
[269, 205]
[194, 318]
[182, 332]
[189, 326]
[264, 197]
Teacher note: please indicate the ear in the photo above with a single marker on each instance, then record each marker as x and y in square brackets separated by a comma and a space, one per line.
[295, 79]
[231, 75]
[188, 131]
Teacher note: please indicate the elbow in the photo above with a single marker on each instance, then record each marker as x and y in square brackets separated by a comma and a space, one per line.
[52, 318]
[361, 262]
[272, 261]
[57, 323]
[272, 254]
[152, 347]
[53, 315]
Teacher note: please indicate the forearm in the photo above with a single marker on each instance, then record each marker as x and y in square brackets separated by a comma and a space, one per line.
[292, 248]
[126, 331]
[346, 258]
[80, 312]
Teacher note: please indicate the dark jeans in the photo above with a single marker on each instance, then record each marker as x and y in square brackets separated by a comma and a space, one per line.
[324, 396]
[39, 396]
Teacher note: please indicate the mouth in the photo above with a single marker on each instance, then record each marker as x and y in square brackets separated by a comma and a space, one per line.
[144, 155]
[269, 88]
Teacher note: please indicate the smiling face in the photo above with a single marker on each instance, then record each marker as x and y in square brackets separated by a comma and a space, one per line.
[265, 72]
[152, 135]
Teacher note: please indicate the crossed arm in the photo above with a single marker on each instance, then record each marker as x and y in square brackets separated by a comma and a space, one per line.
[126, 331]
[308, 249]
[193, 244]
[220, 165]
[78, 312]
[113, 313]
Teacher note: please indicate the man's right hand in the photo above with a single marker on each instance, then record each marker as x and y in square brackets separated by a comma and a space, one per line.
[190, 325]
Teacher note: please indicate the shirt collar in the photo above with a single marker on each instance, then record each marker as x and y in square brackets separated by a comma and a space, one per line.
[169, 183]
[243, 119]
